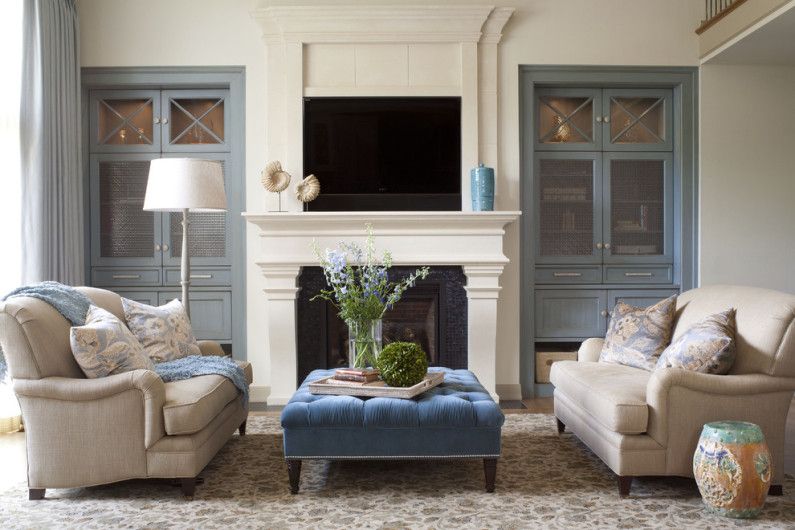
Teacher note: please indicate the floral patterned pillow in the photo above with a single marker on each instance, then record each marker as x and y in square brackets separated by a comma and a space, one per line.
[707, 347]
[104, 346]
[163, 331]
[637, 336]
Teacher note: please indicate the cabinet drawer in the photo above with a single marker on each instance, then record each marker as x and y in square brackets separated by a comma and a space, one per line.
[201, 277]
[638, 274]
[125, 277]
[142, 297]
[573, 274]
[210, 313]
[570, 314]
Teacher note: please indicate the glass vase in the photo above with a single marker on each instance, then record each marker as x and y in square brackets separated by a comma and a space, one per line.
[364, 342]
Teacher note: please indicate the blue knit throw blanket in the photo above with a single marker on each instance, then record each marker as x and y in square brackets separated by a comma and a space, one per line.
[69, 302]
[195, 365]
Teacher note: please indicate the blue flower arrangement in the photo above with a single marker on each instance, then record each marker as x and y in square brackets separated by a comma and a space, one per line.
[360, 289]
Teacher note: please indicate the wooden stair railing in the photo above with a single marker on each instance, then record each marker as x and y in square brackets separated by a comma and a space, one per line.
[715, 10]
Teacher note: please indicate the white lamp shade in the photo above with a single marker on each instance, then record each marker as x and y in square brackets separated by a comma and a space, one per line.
[176, 184]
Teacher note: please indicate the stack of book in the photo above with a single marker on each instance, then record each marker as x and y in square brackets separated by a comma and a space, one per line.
[355, 376]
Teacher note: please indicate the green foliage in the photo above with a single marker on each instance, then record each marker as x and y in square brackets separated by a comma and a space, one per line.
[402, 364]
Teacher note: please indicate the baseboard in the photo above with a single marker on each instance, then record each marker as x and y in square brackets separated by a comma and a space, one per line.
[258, 394]
[509, 392]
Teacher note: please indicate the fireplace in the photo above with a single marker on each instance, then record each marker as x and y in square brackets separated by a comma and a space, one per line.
[432, 314]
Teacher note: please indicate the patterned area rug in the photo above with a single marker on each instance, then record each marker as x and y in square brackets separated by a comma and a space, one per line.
[542, 481]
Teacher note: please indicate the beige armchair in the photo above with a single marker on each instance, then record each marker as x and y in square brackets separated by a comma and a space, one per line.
[84, 432]
[648, 423]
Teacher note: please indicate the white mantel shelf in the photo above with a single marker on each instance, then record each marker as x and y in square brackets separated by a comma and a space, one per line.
[472, 240]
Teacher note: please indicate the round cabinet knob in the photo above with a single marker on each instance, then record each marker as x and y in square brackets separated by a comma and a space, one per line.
[607, 119]
[599, 245]
[607, 245]
[164, 120]
[165, 248]
[598, 119]
[604, 312]
[157, 247]
[157, 120]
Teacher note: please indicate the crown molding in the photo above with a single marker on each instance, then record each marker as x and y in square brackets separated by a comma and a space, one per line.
[393, 24]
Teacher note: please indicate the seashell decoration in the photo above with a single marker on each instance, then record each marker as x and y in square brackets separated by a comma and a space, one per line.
[274, 178]
[308, 189]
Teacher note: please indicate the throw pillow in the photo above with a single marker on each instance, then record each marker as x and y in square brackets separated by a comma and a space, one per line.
[163, 331]
[104, 346]
[707, 347]
[637, 336]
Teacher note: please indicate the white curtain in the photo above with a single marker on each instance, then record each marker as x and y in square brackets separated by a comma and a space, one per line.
[52, 187]
[10, 200]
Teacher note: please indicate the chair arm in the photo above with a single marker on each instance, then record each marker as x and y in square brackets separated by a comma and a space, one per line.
[83, 391]
[210, 347]
[681, 402]
[590, 350]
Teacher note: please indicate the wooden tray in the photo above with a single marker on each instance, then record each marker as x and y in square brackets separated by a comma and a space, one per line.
[376, 388]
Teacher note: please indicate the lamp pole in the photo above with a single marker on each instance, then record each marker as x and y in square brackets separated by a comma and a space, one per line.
[185, 272]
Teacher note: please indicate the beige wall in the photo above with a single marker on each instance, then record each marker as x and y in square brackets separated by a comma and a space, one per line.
[748, 176]
[218, 32]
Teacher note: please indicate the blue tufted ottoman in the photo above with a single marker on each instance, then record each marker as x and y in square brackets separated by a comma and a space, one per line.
[457, 419]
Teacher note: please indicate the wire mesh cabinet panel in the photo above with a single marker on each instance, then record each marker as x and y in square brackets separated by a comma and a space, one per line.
[124, 121]
[195, 121]
[122, 233]
[638, 208]
[568, 207]
[637, 120]
[568, 119]
[209, 233]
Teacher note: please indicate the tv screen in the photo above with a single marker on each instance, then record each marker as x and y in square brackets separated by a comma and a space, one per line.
[384, 153]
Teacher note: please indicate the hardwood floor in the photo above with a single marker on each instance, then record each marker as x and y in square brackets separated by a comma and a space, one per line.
[12, 446]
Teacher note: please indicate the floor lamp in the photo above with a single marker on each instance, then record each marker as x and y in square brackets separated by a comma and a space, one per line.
[183, 185]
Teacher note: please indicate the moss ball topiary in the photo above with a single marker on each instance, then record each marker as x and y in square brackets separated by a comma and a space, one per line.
[402, 364]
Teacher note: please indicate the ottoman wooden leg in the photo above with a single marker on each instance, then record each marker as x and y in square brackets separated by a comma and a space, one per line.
[294, 471]
[490, 470]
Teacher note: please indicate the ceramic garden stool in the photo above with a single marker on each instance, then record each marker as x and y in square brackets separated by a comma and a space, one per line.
[732, 468]
[457, 419]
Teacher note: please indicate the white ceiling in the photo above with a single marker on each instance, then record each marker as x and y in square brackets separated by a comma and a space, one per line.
[773, 43]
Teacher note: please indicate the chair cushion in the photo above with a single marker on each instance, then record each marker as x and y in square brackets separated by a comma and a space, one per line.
[164, 331]
[104, 346]
[637, 336]
[191, 404]
[613, 394]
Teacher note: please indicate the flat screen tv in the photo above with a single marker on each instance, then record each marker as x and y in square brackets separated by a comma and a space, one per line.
[384, 153]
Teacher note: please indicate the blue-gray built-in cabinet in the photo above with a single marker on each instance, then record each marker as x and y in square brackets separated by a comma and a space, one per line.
[608, 166]
[133, 116]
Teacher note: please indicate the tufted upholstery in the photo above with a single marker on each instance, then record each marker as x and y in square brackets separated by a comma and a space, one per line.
[457, 418]
[461, 401]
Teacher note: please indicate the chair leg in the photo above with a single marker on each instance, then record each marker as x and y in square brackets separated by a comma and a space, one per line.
[35, 494]
[490, 471]
[776, 490]
[561, 426]
[624, 484]
[242, 429]
[294, 472]
[188, 486]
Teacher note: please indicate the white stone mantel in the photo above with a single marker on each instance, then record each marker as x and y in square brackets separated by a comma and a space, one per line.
[473, 240]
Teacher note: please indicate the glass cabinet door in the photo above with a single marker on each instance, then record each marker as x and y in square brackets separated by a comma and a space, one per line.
[124, 121]
[567, 119]
[209, 234]
[638, 208]
[122, 233]
[638, 120]
[568, 207]
[195, 121]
